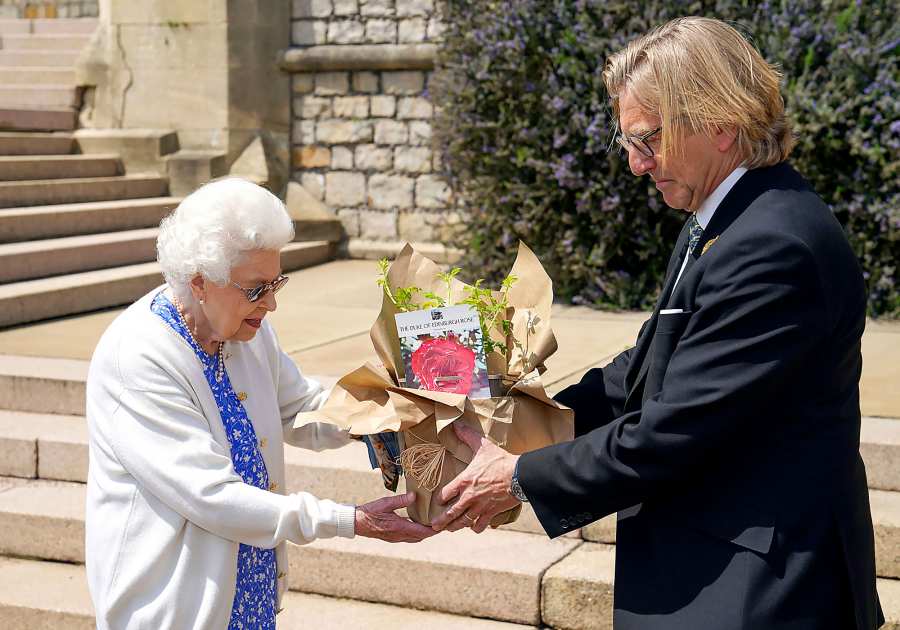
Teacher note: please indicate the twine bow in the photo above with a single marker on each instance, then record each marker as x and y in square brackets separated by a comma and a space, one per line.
[424, 462]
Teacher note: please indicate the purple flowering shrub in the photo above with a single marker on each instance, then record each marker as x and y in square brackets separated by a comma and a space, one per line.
[525, 134]
[842, 86]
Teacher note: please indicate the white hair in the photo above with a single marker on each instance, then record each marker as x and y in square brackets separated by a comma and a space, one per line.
[214, 227]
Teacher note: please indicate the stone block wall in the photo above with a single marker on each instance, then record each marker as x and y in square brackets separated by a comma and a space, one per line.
[48, 8]
[362, 138]
[365, 22]
[319, 22]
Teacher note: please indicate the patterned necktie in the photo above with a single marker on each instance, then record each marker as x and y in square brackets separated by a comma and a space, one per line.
[696, 233]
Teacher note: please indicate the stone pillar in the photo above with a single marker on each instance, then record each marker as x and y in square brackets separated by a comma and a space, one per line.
[206, 70]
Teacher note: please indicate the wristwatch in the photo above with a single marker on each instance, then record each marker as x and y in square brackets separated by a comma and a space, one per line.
[515, 488]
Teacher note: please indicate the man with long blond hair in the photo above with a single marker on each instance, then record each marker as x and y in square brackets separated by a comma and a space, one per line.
[727, 439]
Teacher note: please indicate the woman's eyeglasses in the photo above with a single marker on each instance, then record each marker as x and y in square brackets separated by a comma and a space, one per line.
[257, 292]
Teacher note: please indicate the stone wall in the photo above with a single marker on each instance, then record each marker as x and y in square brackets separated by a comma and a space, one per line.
[365, 22]
[361, 130]
[48, 8]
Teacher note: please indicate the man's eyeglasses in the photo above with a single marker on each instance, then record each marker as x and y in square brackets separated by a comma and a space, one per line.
[257, 292]
[639, 142]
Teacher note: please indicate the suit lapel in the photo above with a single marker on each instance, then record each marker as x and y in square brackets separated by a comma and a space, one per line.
[747, 188]
[741, 195]
[633, 374]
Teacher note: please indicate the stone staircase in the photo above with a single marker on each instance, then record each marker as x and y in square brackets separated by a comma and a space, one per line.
[37, 72]
[78, 232]
[511, 577]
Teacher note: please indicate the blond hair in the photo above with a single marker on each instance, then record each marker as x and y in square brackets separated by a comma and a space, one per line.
[699, 75]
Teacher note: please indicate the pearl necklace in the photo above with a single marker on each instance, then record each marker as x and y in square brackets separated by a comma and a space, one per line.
[220, 358]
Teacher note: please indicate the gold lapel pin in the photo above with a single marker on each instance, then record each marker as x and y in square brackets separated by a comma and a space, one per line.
[709, 244]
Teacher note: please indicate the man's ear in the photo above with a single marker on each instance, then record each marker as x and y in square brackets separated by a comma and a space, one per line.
[725, 138]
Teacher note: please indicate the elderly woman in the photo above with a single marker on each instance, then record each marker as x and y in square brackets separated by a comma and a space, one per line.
[189, 401]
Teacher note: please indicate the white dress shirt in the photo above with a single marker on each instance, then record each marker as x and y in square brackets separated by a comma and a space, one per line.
[708, 208]
[166, 510]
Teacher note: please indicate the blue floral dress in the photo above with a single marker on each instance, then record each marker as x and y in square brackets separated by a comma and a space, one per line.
[255, 593]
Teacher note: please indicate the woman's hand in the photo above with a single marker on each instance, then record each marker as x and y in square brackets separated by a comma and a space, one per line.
[377, 520]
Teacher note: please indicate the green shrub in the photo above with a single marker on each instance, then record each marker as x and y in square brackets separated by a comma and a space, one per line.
[524, 128]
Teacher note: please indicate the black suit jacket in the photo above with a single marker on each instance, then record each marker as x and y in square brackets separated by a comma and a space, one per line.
[728, 437]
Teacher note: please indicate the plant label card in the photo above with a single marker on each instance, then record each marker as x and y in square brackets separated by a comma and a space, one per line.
[443, 351]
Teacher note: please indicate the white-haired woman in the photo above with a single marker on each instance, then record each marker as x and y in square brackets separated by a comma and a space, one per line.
[189, 401]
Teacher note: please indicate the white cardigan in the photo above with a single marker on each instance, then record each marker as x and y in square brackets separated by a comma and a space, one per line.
[165, 507]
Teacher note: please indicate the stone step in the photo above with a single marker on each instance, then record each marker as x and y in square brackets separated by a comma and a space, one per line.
[34, 300]
[24, 76]
[24, 605]
[39, 222]
[41, 385]
[496, 574]
[573, 598]
[50, 191]
[46, 519]
[879, 442]
[52, 447]
[55, 448]
[32, 41]
[75, 254]
[17, 168]
[24, 601]
[36, 119]
[38, 58]
[880, 449]
[15, 26]
[190, 169]
[49, 26]
[141, 150]
[35, 143]
[577, 592]
[477, 575]
[299, 255]
[331, 613]
[44, 95]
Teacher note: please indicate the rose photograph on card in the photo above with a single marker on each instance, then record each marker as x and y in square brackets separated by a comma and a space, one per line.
[442, 350]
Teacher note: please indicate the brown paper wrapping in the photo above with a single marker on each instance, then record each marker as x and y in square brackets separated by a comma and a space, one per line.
[369, 399]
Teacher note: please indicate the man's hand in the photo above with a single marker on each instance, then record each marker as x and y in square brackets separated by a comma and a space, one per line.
[377, 520]
[482, 489]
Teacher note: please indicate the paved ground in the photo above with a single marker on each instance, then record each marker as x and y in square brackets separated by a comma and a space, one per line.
[325, 312]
